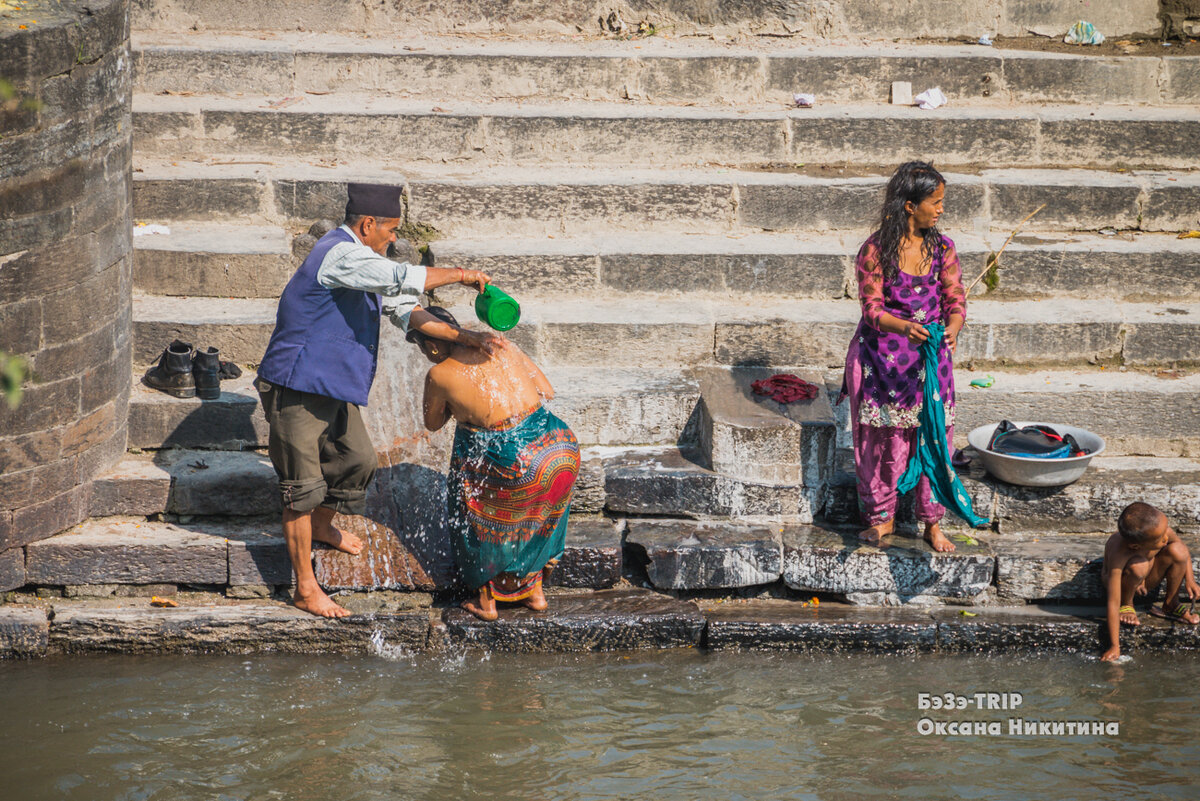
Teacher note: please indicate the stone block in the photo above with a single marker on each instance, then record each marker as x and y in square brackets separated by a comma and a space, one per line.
[635, 407]
[848, 77]
[820, 560]
[592, 557]
[232, 421]
[390, 560]
[754, 438]
[1026, 630]
[828, 628]
[43, 406]
[1173, 204]
[869, 137]
[12, 569]
[588, 344]
[257, 559]
[27, 451]
[229, 629]
[769, 342]
[196, 198]
[589, 495]
[129, 552]
[672, 482]
[241, 341]
[24, 632]
[1164, 142]
[212, 273]
[1051, 567]
[902, 94]
[725, 78]
[21, 325]
[75, 357]
[161, 131]
[687, 555]
[820, 275]
[105, 383]
[811, 205]
[1072, 270]
[222, 483]
[48, 266]
[81, 309]
[1079, 202]
[1183, 80]
[46, 518]
[214, 70]
[1039, 342]
[304, 199]
[1047, 78]
[132, 487]
[606, 620]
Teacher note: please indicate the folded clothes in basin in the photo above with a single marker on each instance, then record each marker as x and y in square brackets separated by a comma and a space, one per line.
[1034, 442]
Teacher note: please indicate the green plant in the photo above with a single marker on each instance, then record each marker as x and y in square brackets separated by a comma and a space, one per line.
[13, 373]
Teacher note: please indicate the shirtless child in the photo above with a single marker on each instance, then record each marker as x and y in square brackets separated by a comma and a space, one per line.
[1144, 550]
[512, 470]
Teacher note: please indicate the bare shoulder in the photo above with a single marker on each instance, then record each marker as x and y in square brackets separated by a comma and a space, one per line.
[1116, 555]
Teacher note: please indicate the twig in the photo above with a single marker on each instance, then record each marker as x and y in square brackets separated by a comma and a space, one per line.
[995, 261]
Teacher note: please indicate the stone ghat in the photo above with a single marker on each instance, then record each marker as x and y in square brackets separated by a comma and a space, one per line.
[609, 620]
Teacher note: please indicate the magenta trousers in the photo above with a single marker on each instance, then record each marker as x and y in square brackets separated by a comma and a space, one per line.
[881, 457]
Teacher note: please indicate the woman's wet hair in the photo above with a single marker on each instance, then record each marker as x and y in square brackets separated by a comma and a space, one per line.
[912, 182]
[419, 339]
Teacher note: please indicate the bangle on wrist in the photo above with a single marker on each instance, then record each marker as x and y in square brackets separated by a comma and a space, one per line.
[462, 274]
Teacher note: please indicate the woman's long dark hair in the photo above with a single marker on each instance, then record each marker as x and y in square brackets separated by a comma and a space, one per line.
[913, 181]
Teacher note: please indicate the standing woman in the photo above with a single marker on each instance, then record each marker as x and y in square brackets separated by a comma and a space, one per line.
[908, 275]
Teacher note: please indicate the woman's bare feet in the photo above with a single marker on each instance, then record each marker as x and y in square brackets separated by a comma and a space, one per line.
[485, 607]
[536, 600]
[343, 541]
[877, 532]
[936, 539]
[319, 604]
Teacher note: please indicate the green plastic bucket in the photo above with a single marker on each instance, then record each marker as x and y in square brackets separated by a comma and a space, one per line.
[497, 308]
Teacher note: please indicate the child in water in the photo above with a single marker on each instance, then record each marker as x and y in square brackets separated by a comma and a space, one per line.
[1145, 550]
[908, 276]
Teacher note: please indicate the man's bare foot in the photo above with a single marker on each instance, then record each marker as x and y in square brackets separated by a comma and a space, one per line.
[536, 600]
[877, 532]
[343, 541]
[485, 607]
[936, 539]
[1128, 616]
[319, 604]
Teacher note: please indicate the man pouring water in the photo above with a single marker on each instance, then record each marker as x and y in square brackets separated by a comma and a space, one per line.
[320, 363]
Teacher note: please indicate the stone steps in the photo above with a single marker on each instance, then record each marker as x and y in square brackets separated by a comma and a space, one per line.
[892, 19]
[393, 132]
[685, 331]
[629, 407]
[246, 261]
[227, 552]
[532, 201]
[651, 69]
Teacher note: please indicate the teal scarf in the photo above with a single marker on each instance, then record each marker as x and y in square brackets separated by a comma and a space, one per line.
[932, 456]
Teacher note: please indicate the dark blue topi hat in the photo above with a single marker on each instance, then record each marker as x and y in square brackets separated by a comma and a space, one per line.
[374, 200]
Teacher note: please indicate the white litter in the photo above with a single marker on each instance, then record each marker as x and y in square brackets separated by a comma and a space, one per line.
[901, 93]
[804, 100]
[985, 40]
[146, 229]
[1083, 33]
[931, 98]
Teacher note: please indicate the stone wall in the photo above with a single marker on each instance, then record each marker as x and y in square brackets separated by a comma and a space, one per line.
[65, 263]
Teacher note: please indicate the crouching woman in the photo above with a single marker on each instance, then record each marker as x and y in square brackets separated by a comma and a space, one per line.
[512, 470]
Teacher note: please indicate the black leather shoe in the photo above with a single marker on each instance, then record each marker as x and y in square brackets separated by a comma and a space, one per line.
[173, 373]
[206, 366]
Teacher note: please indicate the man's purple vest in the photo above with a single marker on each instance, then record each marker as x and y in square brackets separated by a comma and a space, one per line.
[325, 341]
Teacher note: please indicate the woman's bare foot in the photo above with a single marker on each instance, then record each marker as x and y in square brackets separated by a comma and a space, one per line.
[319, 604]
[936, 539]
[343, 541]
[877, 532]
[536, 600]
[485, 607]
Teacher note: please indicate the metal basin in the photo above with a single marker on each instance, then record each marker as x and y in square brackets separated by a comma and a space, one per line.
[1029, 472]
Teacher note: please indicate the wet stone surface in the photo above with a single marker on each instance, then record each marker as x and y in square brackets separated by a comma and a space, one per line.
[607, 620]
[823, 560]
[828, 628]
[1024, 631]
[687, 555]
[24, 631]
[592, 557]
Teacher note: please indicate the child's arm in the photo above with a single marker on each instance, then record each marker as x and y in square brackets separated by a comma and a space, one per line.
[436, 407]
[1112, 581]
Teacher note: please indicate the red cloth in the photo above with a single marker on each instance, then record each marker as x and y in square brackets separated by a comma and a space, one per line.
[785, 388]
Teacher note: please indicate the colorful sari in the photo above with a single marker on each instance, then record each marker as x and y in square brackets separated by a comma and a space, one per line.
[509, 499]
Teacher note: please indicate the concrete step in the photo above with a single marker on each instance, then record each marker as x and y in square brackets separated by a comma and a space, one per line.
[895, 19]
[215, 260]
[655, 331]
[639, 406]
[397, 131]
[1090, 504]
[649, 69]
[187, 482]
[1137, 413]
[102, 553]
[532, 201]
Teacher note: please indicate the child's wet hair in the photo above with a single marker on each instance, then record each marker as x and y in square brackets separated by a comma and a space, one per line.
[1136, 522]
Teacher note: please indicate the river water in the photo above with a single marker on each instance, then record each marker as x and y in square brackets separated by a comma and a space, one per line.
[637, 725]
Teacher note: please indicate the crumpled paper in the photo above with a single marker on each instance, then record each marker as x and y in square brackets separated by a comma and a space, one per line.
[931, 98]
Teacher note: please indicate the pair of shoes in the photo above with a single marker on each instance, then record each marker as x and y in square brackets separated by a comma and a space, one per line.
[186, 373]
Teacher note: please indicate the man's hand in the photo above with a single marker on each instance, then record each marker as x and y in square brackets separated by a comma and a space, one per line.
[475, 278]
[1111, 654]
[481, 340]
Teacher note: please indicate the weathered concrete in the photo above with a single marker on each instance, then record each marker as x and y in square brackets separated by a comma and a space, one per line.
[213, 260]
[1006, 631]
[828, 628]
[129, 551]
[12, 569]
[187, 483]
[233, 421]
[238, 327]
[608, 620]
[228, 629]
[686, 555]
[588, 496]
[259, 558]
[24, 632]
[821, 560]
[626, 407]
